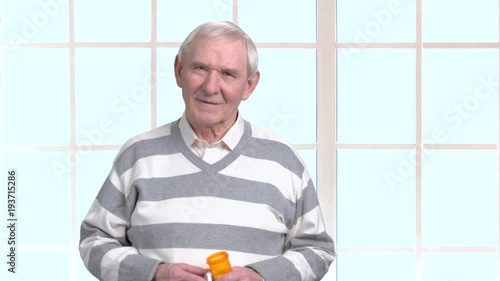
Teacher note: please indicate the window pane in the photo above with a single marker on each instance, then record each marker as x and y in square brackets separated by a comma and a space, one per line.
[113, 95]
[366, 21]
[36, 265]
[460, 199]
[278, 20]
[112, 21]
[285, 99]
[43, 197]
[459, 266]
[460, 95]
[371, 210]
[176, 19]
[376, 96]
[376, 266]
[170, 104]
[35, 105]
[34, 21]
[466, 21]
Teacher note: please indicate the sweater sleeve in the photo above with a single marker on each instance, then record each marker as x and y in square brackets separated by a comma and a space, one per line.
[104, 247]
[309, 250]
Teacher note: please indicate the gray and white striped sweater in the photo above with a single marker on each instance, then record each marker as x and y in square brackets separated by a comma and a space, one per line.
[162, 203]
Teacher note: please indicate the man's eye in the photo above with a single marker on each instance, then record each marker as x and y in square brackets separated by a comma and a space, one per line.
[228, 74]
[200, 67]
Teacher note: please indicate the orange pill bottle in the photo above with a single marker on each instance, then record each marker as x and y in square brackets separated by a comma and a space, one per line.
[219, 264]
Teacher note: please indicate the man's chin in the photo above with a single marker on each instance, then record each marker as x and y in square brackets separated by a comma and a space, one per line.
[206, 120]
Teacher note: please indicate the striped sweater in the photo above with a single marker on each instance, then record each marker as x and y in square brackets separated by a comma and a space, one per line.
[162, 203]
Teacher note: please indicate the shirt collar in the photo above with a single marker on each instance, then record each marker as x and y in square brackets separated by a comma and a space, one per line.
[230, 139]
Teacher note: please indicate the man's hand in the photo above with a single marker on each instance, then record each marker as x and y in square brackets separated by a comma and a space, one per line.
[179, 272]
[241, 274]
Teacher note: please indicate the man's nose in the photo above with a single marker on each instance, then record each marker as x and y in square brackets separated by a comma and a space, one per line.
[212, 82]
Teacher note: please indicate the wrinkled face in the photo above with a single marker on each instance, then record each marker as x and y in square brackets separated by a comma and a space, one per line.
[214, 80]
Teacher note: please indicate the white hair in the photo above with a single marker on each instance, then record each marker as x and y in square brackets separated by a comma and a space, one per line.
[227, 30]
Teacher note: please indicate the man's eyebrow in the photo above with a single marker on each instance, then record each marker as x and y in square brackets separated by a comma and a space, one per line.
[196, 62]
[231, 70]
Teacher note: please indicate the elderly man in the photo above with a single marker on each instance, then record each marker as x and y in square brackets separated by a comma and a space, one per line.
[207, 182]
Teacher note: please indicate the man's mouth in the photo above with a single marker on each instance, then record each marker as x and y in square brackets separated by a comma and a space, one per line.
[209, 102]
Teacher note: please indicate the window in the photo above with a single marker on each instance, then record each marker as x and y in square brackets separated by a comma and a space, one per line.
[417, 140]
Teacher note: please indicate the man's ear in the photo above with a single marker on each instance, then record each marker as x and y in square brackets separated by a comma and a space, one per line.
[177, 71]
[251, 84]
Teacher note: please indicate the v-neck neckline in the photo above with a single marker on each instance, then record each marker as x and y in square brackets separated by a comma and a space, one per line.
[200, 163]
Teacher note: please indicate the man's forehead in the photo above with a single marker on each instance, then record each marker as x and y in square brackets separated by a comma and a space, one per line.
[219, 52]
[228, 45]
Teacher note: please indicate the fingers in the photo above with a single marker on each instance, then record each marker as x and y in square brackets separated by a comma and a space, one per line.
[179, 272]
[193, 269]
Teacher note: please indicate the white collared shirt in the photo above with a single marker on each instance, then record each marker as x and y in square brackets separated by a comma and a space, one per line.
[214, 152]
